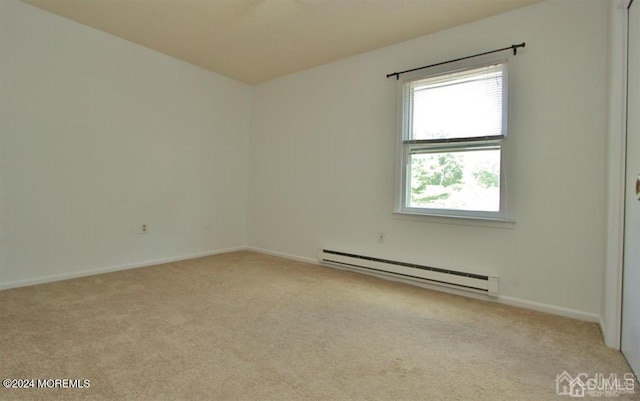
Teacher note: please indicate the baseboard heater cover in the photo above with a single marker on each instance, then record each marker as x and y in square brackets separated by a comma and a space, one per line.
[410, 271]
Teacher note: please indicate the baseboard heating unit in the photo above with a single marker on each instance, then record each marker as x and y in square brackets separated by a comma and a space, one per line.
[410, 271]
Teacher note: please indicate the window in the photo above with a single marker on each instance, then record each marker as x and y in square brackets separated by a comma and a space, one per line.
[452, 143]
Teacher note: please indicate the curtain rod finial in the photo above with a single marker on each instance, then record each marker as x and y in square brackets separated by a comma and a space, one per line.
[515, 48]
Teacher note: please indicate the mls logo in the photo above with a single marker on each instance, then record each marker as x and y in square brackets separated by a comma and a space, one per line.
[568, 385]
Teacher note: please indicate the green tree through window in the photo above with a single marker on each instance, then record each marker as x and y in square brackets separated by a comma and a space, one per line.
[442, 171]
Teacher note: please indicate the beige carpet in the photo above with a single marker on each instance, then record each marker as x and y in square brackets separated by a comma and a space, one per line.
[245, 326]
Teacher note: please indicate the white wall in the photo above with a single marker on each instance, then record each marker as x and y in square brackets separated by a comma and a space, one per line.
[322, 159]
[99, 135]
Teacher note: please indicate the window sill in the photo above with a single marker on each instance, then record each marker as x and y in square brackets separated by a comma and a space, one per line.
[502, 223]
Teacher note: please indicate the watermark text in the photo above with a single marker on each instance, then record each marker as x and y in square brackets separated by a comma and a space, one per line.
[595, 385]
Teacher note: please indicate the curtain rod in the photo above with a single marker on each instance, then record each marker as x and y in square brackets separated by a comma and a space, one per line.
[512, 47]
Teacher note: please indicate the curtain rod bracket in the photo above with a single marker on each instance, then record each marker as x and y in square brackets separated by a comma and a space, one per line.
[515, 48]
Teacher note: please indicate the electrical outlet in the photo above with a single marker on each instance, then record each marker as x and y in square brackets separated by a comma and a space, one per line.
[141, 229]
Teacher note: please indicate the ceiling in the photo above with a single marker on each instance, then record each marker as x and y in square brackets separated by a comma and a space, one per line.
[257, 40]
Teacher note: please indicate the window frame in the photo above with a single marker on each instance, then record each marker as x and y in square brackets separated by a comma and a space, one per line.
[403, 148]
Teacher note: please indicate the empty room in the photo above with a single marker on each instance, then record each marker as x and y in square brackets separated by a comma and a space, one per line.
[319, 199]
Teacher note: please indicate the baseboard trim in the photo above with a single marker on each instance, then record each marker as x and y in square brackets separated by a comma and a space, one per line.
[603, 332]
[506, 300]
[552, 309]
[283, 255]
[109, 269]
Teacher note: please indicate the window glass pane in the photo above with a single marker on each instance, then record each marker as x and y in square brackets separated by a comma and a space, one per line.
[457, 180]
[458, 105]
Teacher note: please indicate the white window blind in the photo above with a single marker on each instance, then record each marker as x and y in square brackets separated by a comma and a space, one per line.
[465, 104]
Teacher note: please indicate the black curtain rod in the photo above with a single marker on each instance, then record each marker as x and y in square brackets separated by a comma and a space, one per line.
[512, 47]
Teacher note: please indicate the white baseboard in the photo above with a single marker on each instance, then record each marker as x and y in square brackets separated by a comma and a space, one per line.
[283, 255]
[603, 331]
[547, 308]
[506, 300]
[108, 269]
